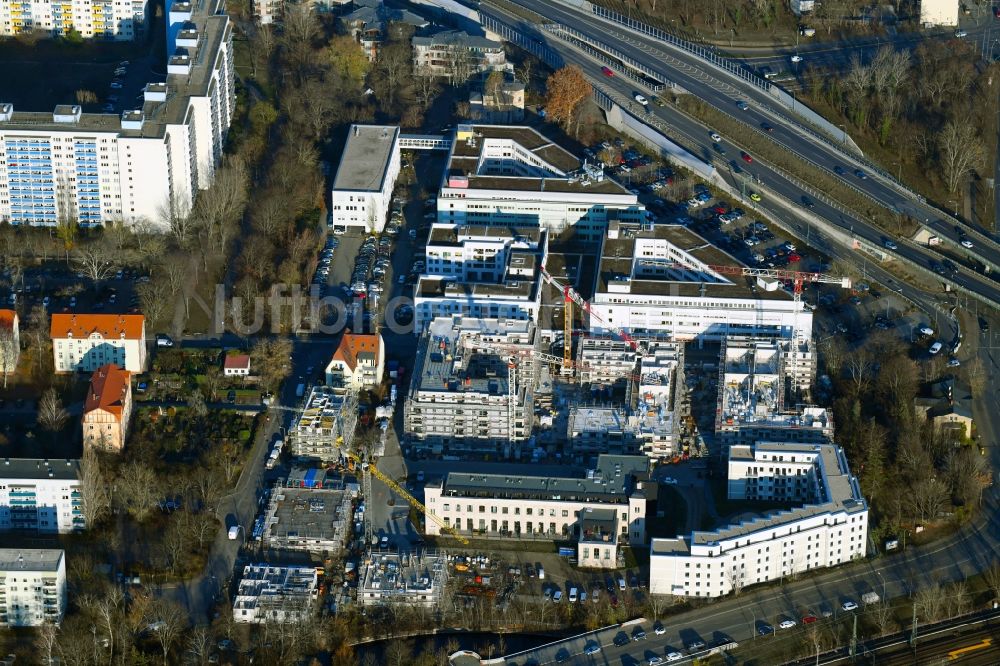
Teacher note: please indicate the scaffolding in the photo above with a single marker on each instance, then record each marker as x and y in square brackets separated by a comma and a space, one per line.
[275, 594]
[325, 424]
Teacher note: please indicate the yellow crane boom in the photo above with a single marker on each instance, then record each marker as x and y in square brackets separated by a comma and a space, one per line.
[411, 500]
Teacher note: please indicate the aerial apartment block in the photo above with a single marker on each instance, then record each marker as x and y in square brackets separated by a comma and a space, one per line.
[92, 19]
[465, 396]
[149, 162]
[503, 506]
[107, 409]
[41, 495]
[481, 271]
[456, 55]
[513, 176]
[826, 523]
[85, 342]
[32, 586]
[665, 279]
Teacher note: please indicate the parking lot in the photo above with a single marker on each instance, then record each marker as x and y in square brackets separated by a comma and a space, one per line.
[61, 290]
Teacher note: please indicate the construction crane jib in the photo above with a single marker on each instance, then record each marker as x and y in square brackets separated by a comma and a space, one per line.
[370, 468]
[572, 297]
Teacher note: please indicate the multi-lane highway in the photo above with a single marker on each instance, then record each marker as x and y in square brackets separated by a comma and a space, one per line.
[786, 199]
[725, 91]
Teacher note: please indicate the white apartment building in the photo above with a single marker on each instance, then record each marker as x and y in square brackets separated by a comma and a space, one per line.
[480, 271]
[92, 19]
[500, 175]
[275, 594]
[325, 426]
[357, 363]
[456, 55]
[830, 528]
[41, 495]
[146, 164]
[542, 507]
[85, 342]
[939, 12]
[666, 280]
[636, 398]
[465, 397]
[362, 188]
[32, 587]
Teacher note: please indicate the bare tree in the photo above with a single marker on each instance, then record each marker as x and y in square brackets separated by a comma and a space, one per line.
[393, 68]
[10, 349]
[737, 579]
[46, 642]
[992, 577]
[199, 647]
[301, 28]
[928, 497]
[97, 261]
[960, 150]
[859, 366]
[171, 621]
[138, 489]
[51, 414]
[929, 601]
[155, 299]
[221, 206]
[196, 404]
[175, 216]
[106, 612]
[882, 613]
[426, 87]
[271, 358]
[959, 599]
[93, 488]
[175, 541]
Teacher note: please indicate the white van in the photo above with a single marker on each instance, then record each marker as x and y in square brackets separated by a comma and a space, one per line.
[234, 532]
[572, 595]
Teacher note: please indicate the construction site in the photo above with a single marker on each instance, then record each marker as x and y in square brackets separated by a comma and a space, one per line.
[325, 424]
[414, 579]
[275, 594]
[311, 519]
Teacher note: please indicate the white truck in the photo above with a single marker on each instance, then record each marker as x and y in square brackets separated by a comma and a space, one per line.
[869, 598]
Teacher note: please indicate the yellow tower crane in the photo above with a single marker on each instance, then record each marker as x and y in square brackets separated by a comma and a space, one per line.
[370, 468]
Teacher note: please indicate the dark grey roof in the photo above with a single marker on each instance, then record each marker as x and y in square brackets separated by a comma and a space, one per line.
[457, 38]
[39, 468]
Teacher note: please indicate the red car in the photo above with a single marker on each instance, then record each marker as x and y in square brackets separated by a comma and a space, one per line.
[746, 158]
[793, 257]
[809, 619]
[996, 12]
[607, 71]
[720, 208]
